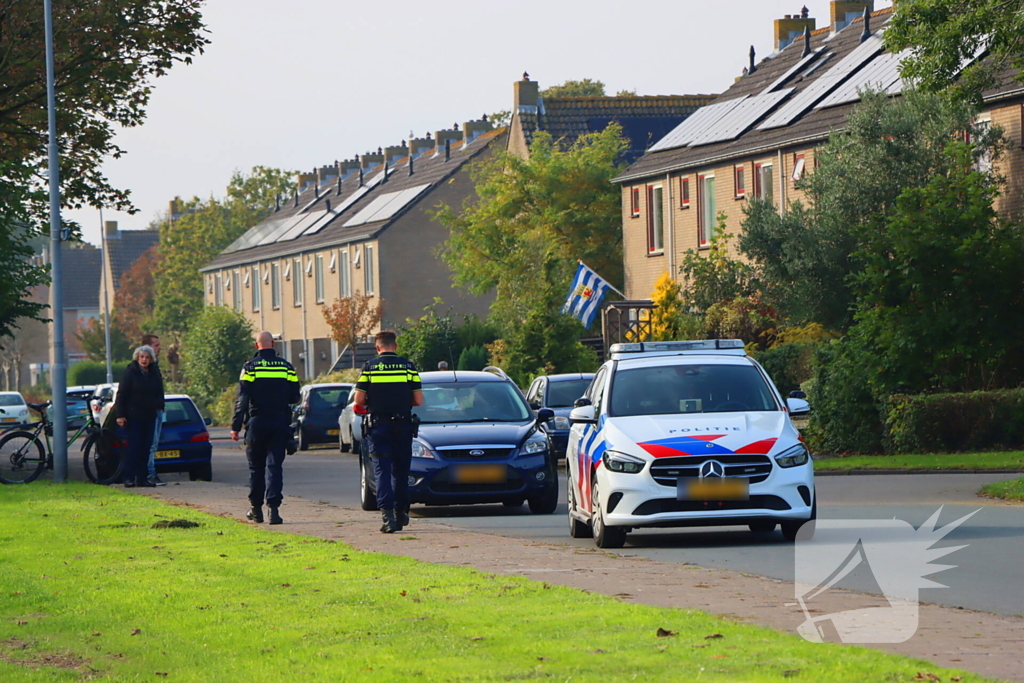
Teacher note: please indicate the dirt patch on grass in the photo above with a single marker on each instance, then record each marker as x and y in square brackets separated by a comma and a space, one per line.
[20, 653]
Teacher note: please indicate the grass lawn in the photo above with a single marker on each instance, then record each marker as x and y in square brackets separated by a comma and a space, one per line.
[88, 590]
[1008, 490]
[1010, 460]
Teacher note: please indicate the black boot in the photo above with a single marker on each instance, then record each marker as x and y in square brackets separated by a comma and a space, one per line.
[255, 514]
[402, 516]
[390, 524]
[275, 518]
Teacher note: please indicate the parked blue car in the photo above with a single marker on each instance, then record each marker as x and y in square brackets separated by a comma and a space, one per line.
[559, 393]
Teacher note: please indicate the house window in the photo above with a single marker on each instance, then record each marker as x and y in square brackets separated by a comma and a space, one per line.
[218, 290]
[319, 278]
[236, 289]
[257, 289]
[799, 163]
[706, 213]
[764, 183]
[345, 277]
[275, 286]
[982, 162]
[634, 201]
[740, 181]
[655, 219]
[368, 269]
[684, 193]
[297, 281]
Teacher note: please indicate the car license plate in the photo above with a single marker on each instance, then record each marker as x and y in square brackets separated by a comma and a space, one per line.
[167, 455]
[332, 432]
[713, 489]
[480, 474]
[8, 419]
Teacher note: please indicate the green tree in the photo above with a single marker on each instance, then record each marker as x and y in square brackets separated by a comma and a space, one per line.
[16, 251]
[714, 276]
[203, 230]
[431, 338]
[533, 218]
[353, 317]
[584, 88]
[93, 340]
[805, 258]
[218, 343]
[945, 34]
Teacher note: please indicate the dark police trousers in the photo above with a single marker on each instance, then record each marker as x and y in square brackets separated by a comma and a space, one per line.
[265, 441]
[390, 447]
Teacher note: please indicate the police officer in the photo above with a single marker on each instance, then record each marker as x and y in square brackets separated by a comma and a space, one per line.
[267, 387]
[389, 387]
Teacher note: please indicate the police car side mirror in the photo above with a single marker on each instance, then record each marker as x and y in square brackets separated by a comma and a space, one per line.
[583, 414]
[534, 405]
[796, 393]
[798, 406]
[545, 415]
[580, 402]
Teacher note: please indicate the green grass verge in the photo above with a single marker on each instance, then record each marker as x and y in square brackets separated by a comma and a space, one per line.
[1007, 490]
[88, 590]
[1011, 460]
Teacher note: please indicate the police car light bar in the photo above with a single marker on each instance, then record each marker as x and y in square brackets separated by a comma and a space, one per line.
[678, 346]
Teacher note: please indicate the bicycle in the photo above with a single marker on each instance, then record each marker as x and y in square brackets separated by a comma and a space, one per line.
[23, 456]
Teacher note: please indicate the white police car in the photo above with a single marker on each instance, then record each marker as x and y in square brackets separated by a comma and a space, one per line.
[689, 433]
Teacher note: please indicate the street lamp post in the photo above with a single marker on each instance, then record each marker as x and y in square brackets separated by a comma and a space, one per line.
[58, 373]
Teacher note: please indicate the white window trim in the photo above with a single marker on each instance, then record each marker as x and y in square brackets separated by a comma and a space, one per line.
[701, 208]
[651, 249]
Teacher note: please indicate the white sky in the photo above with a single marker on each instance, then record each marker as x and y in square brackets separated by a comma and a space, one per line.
[299, 84]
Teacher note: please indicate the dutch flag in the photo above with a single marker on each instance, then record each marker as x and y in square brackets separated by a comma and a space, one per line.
[585, 294]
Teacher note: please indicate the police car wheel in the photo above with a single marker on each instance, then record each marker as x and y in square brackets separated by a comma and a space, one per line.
[604, 536]
[367, 498]
[577, 529]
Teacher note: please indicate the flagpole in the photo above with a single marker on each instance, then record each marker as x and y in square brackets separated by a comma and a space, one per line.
[610, 286]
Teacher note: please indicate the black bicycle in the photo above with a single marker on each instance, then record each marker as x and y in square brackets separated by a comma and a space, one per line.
[26, 453]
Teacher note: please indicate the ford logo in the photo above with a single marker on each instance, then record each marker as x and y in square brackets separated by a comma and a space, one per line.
[476, 453]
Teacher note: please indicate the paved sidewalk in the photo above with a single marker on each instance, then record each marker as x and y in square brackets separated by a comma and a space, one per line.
[976, 641]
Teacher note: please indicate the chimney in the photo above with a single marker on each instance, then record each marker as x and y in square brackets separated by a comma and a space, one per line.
[348, 167]
[325, 173]
[369, 161]
[110, 230]
[791, 27]
[442, 136]
[393, 154]
[411, 159]
[471, 130]
[418, 146]
[753, 61]
[174, 208]
[866, 32]
[303, 180]
[525, 93]
[843, 12]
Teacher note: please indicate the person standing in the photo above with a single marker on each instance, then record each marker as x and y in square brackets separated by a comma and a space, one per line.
[140, 396]
[443, 365]
[153, 342]
[267, 388]
[389, 387]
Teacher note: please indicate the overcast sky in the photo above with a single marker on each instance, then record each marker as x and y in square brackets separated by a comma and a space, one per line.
[297, 85]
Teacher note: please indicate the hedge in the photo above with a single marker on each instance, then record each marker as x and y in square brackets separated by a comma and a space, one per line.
[89, 373]
[947, 423]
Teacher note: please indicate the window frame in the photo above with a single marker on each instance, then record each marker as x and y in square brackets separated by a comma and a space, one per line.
[297, 293]
[257, 289]
[759, 170]
[799, 164]
[369, 287]
[705, 232]
[236, 289]
[739, 181]
[344, 273]
[655, 209]
[634, 202]
[218, 289]
[275, 286]
[684, 192]
[318, 277]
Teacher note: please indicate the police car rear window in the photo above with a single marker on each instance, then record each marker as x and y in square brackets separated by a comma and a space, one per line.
[682, 389]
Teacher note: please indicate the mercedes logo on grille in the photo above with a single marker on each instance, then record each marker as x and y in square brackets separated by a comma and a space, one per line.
[476, 452]
[712, 468]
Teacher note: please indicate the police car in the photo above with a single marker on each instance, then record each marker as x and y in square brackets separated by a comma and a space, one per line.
[687, 433]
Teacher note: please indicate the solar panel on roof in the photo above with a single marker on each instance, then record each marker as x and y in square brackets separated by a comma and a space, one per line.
[386, 206]
[280, 229]
[740, 118]
[793, 70]
[824, 84]
[335, 212]
[298, 228]
[685, 132]
[880, 74]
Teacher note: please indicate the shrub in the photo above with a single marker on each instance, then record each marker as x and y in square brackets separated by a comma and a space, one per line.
[845, 412]
[789, 365]
[473, 358]
[977, 420]
[222, 409]
[347, 376]
[218, 343]
[90, 372]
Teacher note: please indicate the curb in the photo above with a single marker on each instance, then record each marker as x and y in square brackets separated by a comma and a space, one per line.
[846, 473]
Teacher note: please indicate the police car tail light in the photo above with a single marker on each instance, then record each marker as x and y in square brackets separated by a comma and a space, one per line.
[421, 451]
[620, 462]
[793, 457]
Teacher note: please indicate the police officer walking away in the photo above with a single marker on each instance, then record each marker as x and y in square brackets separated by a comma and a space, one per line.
[267, 387]
[389, 387]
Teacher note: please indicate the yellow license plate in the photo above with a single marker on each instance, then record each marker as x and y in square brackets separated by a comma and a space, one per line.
[480, 474]
[714, 489]
[9, 419]
[332, 432]
[167, 455]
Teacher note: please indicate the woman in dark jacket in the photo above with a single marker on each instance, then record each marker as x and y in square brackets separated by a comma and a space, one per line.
[139, 396]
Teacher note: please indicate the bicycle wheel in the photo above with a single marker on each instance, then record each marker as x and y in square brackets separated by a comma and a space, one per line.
[102, 461]
[22, 458]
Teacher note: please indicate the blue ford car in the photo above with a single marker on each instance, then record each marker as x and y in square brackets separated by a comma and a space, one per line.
[559, 393]
[184, 440]
[479, 442]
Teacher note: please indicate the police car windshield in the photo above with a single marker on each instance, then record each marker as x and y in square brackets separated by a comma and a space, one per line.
[682, 389]
[451, 402]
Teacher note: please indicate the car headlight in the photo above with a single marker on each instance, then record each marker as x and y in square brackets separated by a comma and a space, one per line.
[534, 445]
[419, 450]
[620, 462]
[561, 422]
[793, 457]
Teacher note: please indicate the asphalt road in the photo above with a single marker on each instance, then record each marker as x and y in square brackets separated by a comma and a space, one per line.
[987, 576]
